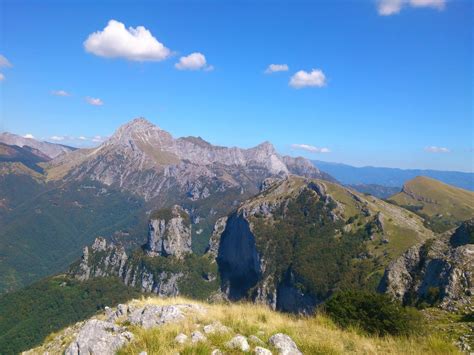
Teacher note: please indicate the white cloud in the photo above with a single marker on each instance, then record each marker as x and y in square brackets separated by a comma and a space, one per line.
[392, 7]
[436, 4]
[57, 138]
[4, 62]
[310, 148]
[194, 61]
[301, 79]
[98, 139]
[434, 149]
[29, 135]
[82, 138]
[116, 41]
[94, 101]
[272, 68]
[60, 93]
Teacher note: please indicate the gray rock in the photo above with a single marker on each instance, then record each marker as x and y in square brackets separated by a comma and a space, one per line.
[98, 337]
[197, 337]
[215, 327]
[181, 338]
[238, 342]
[284, 344]
[217, 352]
[152, 316]
[262, 351]
[170, 236]
[438, 264]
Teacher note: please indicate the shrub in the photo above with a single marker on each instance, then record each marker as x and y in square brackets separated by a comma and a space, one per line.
[372, 312]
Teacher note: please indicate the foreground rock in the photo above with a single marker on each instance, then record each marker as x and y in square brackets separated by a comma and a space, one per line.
[239, 342]
[284, 344]
[99, 337]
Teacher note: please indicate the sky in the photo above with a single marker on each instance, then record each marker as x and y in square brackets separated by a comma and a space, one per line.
[362, 82]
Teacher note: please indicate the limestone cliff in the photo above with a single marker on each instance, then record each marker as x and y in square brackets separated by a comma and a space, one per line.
[437, 272]
[169, 233]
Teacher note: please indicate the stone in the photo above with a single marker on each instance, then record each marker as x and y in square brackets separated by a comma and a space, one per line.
[284, 344]
[197, 337]
[262, 351]
[99, 337]
[217, 352]
[181, 338]
[215, 327]
[152, 315]
[238, 342]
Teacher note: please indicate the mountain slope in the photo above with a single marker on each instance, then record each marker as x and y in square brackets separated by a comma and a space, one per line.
[27, 156]
[51, 150]
[295, 243]
[47, 216]
[174, 325]
[441, 203]
[392, 177]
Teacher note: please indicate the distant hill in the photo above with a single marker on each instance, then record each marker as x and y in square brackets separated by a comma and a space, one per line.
[351, 175]
[441, 203]
[26, 155]
[51, 150]
[379, 191]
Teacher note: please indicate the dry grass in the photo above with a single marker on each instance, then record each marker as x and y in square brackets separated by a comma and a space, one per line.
[314, 335]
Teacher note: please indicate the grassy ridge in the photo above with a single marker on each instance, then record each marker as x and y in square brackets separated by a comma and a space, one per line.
[442, 205]
[313, 335]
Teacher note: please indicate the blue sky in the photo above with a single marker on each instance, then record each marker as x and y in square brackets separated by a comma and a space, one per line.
[391, 86]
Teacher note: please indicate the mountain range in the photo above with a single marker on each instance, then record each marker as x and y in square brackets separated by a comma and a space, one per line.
[391, 177]
[148, 213]
[66, 201]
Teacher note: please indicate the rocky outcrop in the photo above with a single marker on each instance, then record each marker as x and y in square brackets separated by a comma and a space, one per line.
[169, 233]
[99, 337]
[106, 259]
[214, 241]
[439, 271]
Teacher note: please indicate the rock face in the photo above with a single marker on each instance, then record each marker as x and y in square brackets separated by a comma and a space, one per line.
[439, 271]
[146, 160]
[169, 233]
[105, 259]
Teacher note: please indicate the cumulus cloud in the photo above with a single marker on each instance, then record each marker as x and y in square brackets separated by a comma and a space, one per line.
[82, 138]
[310, 148]
[4, 62]
[302, 79]
[116, 41]
[29, 135]
[434, 149]
[392, 7]
[57, 138]
[273, 68]
[194, 61]
[60, 93]
[94, 101]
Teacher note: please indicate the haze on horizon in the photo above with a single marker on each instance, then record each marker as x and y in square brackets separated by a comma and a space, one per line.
[378, 83]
